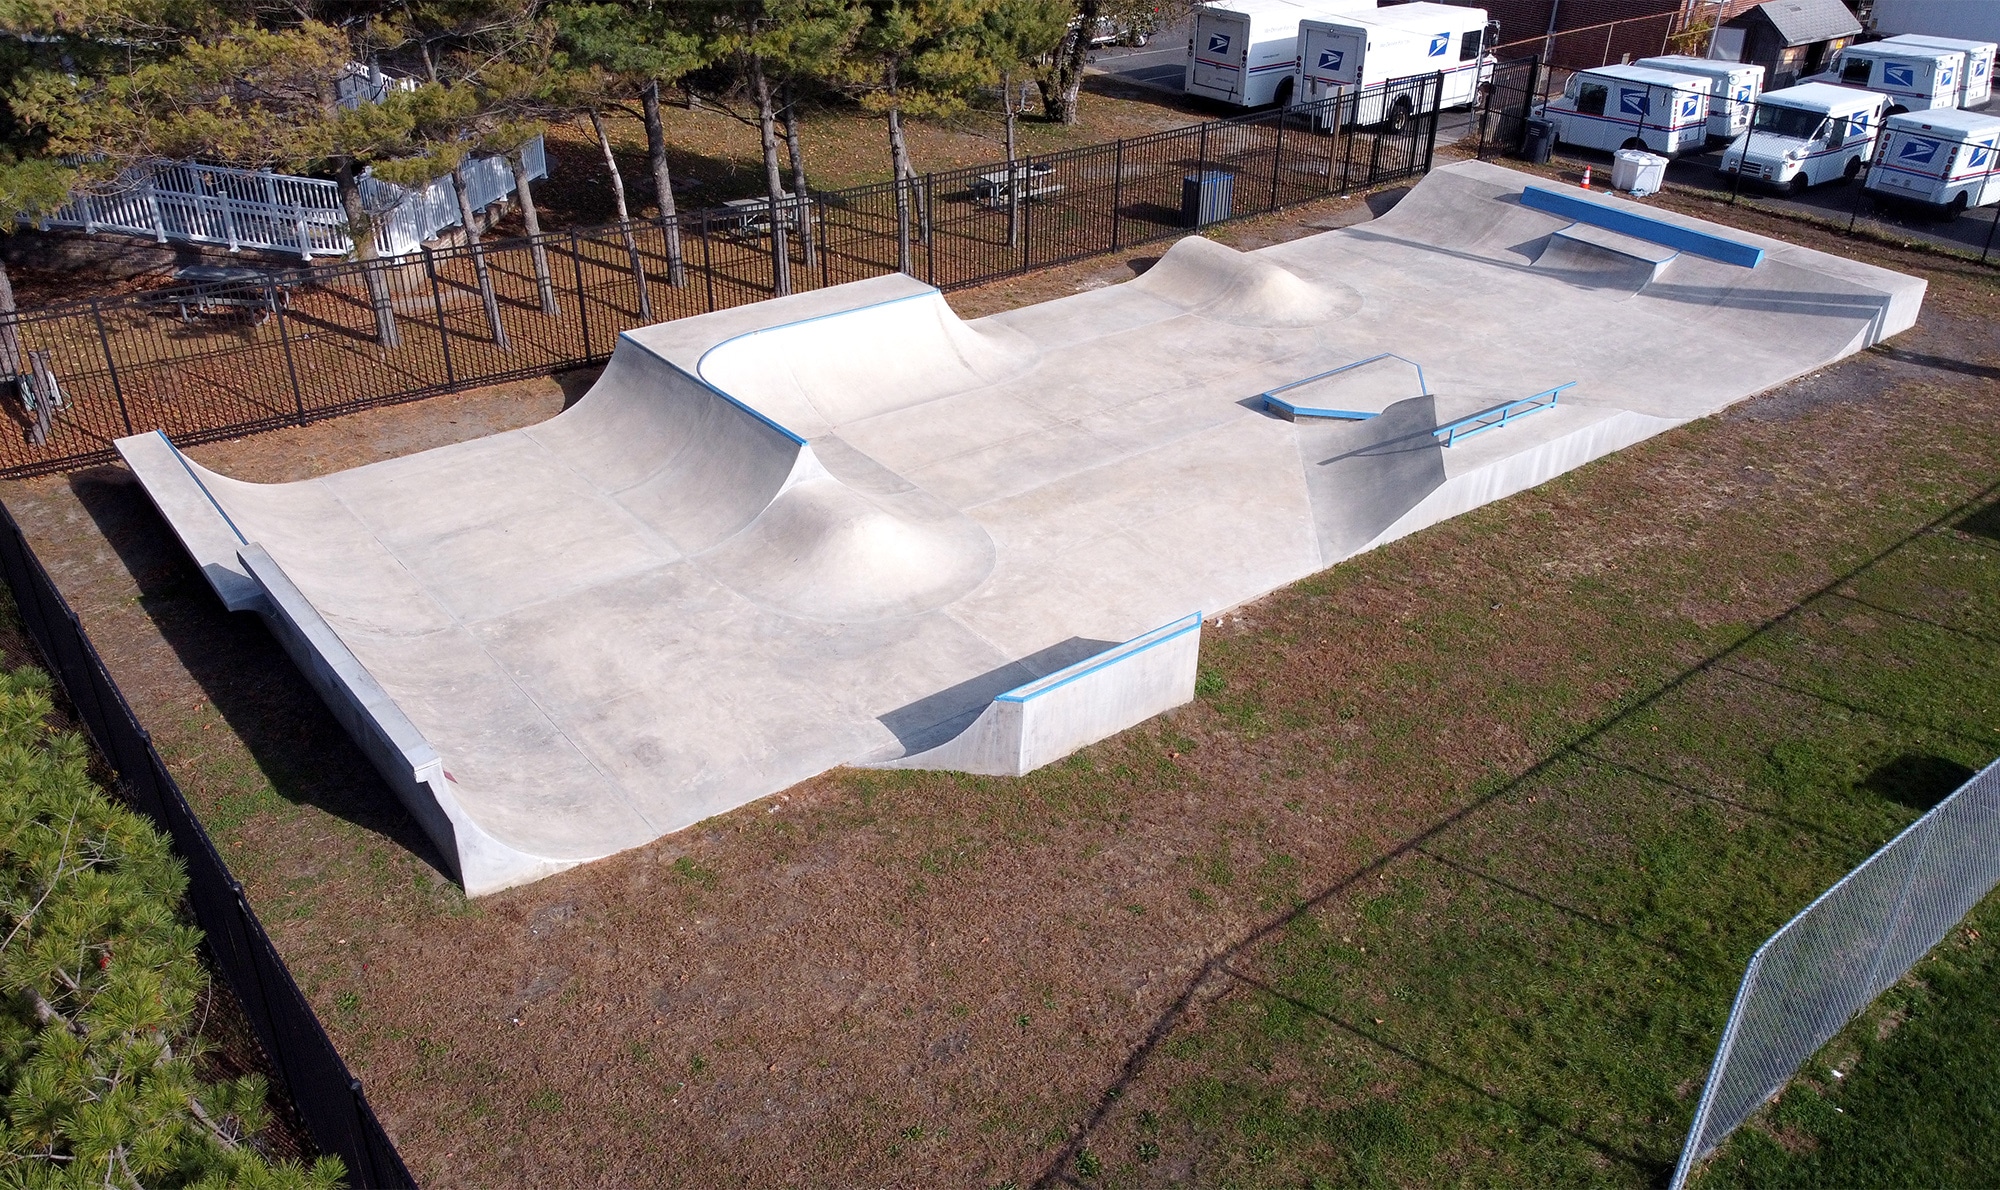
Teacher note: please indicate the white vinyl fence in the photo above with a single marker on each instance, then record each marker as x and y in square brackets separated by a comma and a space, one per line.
[1843, 950]
[240, 208]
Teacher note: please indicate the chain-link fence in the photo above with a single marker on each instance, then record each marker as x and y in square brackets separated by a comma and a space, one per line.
[1827, 964]
[291, 346]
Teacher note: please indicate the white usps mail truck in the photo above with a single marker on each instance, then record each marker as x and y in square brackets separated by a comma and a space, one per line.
[1352, 53]
[1245, 52]
[1975, 82]
[1915, 78]
[1736, 87]
[1948, 159]
[1631, 107]
[1805, 135]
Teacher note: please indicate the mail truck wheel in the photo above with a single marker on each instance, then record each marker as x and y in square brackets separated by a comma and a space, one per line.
[1853, 168]
[1399, 115]
[1799, 184]
[1634, 143]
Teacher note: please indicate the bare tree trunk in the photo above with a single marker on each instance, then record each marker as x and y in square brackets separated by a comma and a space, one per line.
[470, 222]
[807, 241]
[774, 181]
[361, 231]
[10, 335]
[624, 215]
[1013, 149]
[544, 283]
[1065, 78]
[663, 180]
[899, 165]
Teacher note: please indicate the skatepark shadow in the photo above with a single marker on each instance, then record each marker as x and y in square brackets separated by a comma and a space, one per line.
[1984, 522]
[1917, 780]
[249, 680]
[575, 384]
[935, 718]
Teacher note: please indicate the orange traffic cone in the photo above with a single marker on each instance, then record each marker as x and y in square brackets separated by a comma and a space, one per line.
[1586, 177]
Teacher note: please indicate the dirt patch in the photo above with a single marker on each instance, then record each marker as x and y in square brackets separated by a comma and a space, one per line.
[916, 978]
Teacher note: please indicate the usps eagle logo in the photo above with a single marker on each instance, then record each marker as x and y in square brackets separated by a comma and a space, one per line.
[1331, 59]
[1632, 103]
[1919, 151]
[1218, 43]
[1981, 154]
[1944, 77]
[1690, 106]
[1898, 76]
[1439, 44]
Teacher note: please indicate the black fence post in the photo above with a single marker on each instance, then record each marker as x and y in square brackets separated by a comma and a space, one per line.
[825, 267]
[1436, 89]
[707, 261]
[582, 306]
[930, 230]
[291, 368]
[1027, 220]
[1117, 188]
[1277, 159]
[437, 306]
[110, 365]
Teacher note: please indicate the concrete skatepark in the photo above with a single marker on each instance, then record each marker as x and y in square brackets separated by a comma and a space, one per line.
[847, 527]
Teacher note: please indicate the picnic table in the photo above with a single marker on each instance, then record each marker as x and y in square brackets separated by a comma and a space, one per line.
[1033, 181]
[208, 287]
[755, 213]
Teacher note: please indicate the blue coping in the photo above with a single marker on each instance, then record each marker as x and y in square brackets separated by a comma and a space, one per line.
[1508, 411]
[1273, 401]
[1111, 656]
[213, 502]
[1645, 227]
[699, 378]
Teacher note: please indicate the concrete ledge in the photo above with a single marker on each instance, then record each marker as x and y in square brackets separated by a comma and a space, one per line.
[1644, 227]
[195, 516]
[1045, 720]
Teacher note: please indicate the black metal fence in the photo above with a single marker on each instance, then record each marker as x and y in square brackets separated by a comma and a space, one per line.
[286, 348]
[328, 1097]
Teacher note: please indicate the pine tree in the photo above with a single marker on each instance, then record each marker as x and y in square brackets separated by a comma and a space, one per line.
[100, 978]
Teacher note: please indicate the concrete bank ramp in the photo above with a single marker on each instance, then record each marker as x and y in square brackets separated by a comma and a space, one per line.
[848, 527]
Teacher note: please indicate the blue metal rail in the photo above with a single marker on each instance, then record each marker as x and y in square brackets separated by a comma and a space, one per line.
[1500, 415]
[1277, 404]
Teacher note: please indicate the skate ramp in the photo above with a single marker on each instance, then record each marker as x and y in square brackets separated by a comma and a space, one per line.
[1595, 258]
[1200, 276]
[847, 527]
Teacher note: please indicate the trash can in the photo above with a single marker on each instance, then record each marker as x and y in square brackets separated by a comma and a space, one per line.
[1637, 171]
[1207, 197]
[1539, 142]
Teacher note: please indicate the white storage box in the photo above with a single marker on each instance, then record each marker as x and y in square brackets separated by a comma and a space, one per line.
[1637, 171]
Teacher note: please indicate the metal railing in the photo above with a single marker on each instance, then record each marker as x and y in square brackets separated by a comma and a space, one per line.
[1506, 413]
[328, 1097]
[241, 208]
[296, 345]
[1827, 964]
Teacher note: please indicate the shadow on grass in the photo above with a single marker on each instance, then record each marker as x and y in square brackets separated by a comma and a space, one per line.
[1918, 781]
[296, 742]
[1982, 522]
[1915, 779]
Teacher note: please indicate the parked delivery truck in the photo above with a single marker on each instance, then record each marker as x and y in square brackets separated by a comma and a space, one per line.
[1916, 78]
[1631, 107]
[1805, 135]
[1945, 159]
[1245, 51]
[1975, 82]
[1735, 87]
[1413, 42]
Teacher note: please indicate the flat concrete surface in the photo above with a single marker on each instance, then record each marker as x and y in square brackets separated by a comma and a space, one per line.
[832, 528]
